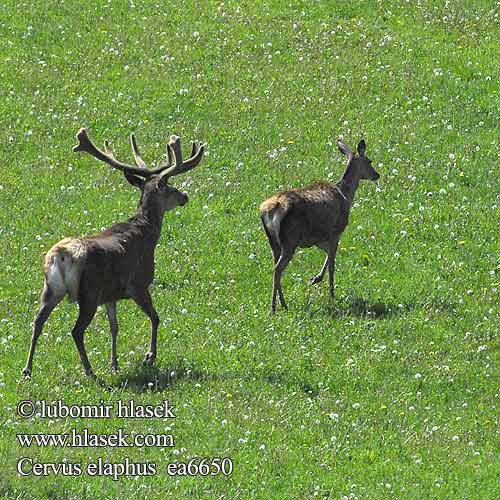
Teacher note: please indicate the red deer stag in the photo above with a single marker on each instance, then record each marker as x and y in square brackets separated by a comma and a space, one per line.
[315, 215]
[117, 263]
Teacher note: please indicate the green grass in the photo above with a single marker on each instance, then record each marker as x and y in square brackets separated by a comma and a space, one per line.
[389, 392]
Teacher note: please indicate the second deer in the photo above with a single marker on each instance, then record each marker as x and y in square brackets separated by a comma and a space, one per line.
[313, 216]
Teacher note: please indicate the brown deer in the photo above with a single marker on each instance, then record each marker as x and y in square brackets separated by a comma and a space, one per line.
[117, 263]
[313, 216]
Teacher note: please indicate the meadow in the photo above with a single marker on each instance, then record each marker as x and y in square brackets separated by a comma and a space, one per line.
[389, 391]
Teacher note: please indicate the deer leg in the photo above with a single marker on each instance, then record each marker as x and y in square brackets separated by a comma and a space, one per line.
[275, 247]
[279, 268]
[332, 252]
[113, 327]
[47, 303]
[143, 300]
[319, 277]
[87, 312]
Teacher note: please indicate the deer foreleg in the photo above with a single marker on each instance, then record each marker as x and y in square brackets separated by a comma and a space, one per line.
[113, 327]
[319, 277]
[332, 252]
[143, 300]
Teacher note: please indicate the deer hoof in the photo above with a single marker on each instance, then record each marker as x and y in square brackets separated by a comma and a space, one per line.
[149, 358]
[315, 280]
[114, 369]
[27, 372]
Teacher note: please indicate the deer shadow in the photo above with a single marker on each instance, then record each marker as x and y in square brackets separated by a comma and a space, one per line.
[357, 306]
[140, 378]
[153, 379]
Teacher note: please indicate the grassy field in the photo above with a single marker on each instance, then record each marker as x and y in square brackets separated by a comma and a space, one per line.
[391, 391]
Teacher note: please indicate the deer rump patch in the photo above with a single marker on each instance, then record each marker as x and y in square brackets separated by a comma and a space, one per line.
[63, 264]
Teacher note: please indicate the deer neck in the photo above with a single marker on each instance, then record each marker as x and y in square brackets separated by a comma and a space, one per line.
[152, 215]
[349, 183]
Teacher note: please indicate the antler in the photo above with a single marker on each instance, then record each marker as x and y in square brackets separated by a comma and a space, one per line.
[108, 150]
[138, 160]
[174, 146]
[85, 144]
[107, 156]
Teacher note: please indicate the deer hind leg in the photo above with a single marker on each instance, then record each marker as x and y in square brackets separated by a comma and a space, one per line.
[113, 327]
[275, 246]
[143, 300]
[87, 312]
[279, 268]
[278, 257]
[48, 301]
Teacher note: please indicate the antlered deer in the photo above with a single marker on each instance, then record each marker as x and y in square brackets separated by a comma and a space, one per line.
[117, 263]
[313, 216]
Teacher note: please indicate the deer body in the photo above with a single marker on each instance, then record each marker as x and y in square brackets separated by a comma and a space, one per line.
[308, 216]
[105, 263]
[117, 263]
[313, 216]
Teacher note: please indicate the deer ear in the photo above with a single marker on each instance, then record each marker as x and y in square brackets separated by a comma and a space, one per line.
[361, 147]
[134, 180]
[343, 148]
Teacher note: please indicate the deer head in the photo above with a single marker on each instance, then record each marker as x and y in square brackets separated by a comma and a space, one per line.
[153, 184]
[358, 162]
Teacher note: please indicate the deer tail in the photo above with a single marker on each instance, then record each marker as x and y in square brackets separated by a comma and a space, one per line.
[272, 212]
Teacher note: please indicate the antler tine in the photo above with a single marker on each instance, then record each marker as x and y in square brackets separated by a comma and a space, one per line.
[180, 165]
[137, 156]
[195, 158]
[85, 144]
[175, 146]
[194, 149]
[169, 155]
[168, 163]
[108, 150]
